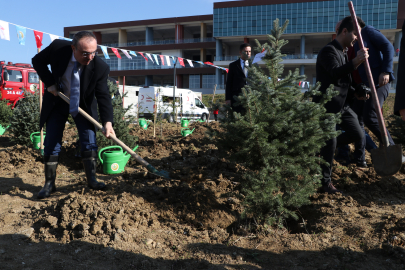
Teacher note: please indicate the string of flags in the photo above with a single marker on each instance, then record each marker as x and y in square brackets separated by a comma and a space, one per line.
[164, 59]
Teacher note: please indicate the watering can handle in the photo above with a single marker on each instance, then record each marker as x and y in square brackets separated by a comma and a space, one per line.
[33, 135]
[105, 148]
[100, 127]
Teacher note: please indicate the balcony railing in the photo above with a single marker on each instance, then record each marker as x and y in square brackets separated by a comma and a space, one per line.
[134, 66]
[286, 57]
[159, 42]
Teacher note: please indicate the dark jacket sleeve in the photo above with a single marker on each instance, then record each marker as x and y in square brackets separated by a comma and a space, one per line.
[400, 91]
[229, 83]
[40, 63]
[329, 61]
[103, 97]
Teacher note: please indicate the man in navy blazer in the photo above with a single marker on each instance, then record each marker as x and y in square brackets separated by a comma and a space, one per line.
[236, 79]
[79, 73]
[381, 57]
[399, 106]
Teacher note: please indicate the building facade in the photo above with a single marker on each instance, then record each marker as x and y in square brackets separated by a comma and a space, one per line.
[216, 38]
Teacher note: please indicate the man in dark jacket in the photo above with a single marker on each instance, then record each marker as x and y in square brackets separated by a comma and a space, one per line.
[237, 75]
[399, 106]
[82, 76]
[332, 67]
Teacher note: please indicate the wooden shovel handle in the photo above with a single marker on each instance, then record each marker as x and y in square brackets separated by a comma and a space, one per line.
[374, 96]
[113, 137]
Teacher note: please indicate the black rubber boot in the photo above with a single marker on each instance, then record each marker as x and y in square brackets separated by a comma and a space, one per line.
[51, 163]
[89, 159]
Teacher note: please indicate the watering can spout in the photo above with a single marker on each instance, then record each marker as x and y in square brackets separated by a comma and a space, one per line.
[127, 155]
[192, 130]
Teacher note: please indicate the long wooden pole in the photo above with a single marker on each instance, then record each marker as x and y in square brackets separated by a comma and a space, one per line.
[40, 109]
[213, 96]
[374, 96]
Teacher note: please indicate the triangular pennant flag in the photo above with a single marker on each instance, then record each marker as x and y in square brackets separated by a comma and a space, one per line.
[227, 69]
[116, 52]
[209, 63]
[181, 61]
[190, 63]
[174, 60]
[104, 49]
[167, 60]
[21, 32]
[259, 56]
[132, 53]
[126, 53]
[162, 59]
[150, 57]
[68, 39]
[143, 56]
[38, 38]
[53, 37]
[199, 62]
[156, 59]
[4, 30]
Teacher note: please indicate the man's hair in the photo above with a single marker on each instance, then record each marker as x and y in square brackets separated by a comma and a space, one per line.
[82, 34]
[244, 45]
[348, 24]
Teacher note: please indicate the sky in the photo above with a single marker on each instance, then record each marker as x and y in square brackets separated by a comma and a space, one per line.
[51, 16]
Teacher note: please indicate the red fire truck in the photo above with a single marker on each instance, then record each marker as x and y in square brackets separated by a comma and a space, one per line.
[14, 79]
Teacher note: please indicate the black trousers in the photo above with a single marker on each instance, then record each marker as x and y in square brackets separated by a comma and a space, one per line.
[353, 132]
[368, 117]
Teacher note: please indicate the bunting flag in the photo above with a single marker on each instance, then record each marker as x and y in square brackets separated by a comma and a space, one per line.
[259, 56]
[199, 62]
[21, 32]
[209, 63]
[38, 38]
[190, 63]
[150, 57]
[53, 37]
[143, 56]
[126, 53]
[162, 59]
[104, 49]
[4, 30]
[181, 61]
[115, 51]
[133, 53]
[168, 60]
[68, 39]
[156, 59]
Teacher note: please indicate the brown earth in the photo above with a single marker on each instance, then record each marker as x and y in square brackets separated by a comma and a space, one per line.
[191, 222]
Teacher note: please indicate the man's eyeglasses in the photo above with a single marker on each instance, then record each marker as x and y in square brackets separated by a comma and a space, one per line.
[88, 54]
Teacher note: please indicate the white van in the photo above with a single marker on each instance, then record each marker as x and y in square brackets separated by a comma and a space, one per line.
[188, 103]
[132, 93]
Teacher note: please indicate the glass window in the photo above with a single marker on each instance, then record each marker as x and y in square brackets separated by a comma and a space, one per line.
[194, 81]
[235, 24]
[33, 77]
[14, 75]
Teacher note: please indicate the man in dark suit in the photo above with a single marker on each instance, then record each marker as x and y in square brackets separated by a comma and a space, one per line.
[381, 59]
[82, 76]
[332, 67]
[237, 75]
[399, 106]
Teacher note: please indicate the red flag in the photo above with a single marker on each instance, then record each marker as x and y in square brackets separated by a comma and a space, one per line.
[162, 59]
[227, 69]
[181, 61]
[116, 52]
[263, 49]
[208, 63]
[143, 56]
[38, 38]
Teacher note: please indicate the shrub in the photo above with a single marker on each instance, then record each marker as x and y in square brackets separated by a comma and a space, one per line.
[5, 113]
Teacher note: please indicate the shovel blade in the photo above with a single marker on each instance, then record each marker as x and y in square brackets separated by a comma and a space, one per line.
[387, 160]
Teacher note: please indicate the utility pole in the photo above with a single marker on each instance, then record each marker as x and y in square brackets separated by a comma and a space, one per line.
[174, 91]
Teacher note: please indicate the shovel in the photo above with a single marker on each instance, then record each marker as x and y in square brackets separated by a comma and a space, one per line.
[148, 166]
[387, 160]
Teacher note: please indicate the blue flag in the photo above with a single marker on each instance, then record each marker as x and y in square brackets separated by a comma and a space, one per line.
[104, 49]
[133, 53]
[21, 31]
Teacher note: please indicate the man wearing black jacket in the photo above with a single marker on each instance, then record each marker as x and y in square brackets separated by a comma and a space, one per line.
[333, 67]
[237, 75]
[82, 76]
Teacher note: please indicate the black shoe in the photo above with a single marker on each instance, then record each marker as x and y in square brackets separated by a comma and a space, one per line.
[330, 189]
[51, 163]
[361, 164]
[90, 164]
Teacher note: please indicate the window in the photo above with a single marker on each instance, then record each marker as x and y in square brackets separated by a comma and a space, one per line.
[253, 23]
[33, 77]
[198, 103]
[235, 24]
[194, 81]
[14, 75]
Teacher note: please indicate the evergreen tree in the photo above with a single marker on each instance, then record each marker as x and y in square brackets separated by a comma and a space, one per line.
[121, 123]
[5, 113]
[278, 138]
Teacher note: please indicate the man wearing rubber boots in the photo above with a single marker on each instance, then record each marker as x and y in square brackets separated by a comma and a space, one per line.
[82, 76]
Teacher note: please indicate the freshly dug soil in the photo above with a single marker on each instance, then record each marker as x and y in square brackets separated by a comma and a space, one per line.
[192, 221]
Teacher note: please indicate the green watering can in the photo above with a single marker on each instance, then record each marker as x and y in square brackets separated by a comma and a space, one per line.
[143, 123]
[36, 140]
[114, 161]
[184, 122]
[2, 129]
[186, 131]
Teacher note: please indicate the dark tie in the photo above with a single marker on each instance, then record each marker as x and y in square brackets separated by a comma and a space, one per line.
[75, 91]
[245, 70]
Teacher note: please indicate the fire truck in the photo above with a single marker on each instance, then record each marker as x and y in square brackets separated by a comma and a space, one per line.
[14, 79]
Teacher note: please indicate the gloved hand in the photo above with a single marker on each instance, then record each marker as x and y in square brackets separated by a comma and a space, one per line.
[362, 90]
